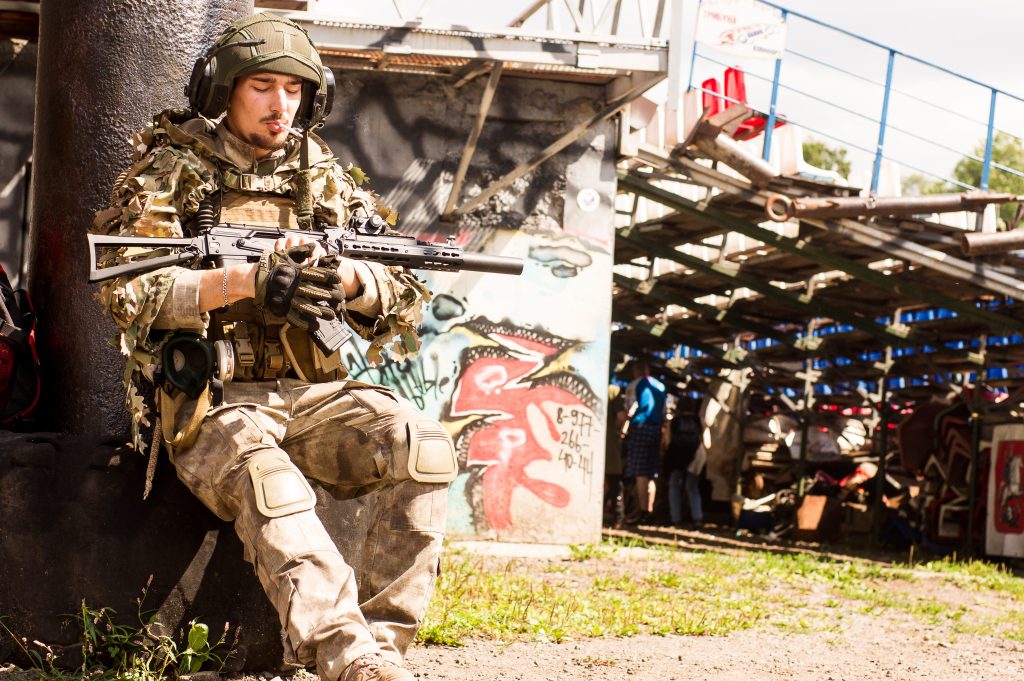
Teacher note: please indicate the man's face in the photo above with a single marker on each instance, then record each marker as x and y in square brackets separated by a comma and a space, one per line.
[261, 108]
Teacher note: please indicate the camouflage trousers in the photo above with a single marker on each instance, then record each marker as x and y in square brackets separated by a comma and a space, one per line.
[352, 438]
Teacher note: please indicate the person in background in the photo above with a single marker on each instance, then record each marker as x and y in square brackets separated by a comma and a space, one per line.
[643, 441]
[685, 440]
[614, 427]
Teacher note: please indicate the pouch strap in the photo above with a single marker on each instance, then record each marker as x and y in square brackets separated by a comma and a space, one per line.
[169, 407]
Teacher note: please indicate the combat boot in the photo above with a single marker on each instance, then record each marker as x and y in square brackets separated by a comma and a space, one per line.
[373, 667]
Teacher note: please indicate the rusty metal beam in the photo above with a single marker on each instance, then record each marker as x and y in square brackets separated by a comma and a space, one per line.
[474, 137]
[823, 257]
[897, 247]
[805, 306]
[613, 107]
[673, 335]
[707, 312]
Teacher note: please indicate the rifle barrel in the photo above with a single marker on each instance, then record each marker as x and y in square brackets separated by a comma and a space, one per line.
[478, 262]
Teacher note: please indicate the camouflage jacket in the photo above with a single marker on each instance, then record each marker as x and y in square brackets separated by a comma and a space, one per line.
[178, 163]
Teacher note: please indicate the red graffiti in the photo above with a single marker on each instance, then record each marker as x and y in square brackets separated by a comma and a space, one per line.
[511, 440]
[1009, 488]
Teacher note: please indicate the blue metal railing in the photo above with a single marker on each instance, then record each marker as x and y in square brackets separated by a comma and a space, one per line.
[995, 95]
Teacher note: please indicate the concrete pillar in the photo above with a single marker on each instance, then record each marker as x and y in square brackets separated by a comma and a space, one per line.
[105, 67]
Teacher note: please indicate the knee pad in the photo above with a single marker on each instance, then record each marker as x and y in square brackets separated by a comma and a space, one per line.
[431, 452]
[281, 488]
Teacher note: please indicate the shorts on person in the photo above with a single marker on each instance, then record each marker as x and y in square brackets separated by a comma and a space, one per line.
[643, 447]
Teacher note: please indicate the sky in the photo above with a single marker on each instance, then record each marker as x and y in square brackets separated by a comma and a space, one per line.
[976, 38]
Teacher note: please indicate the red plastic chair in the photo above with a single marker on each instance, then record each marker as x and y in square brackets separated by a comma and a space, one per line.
[711, 98]
[736, 89]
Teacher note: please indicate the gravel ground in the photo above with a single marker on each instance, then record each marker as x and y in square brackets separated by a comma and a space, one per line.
[868, 650]
[885, 644]
[882, 645]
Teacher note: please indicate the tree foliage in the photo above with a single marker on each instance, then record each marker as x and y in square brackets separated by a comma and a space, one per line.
[917, 184]
[1008, 151]
[820, 155]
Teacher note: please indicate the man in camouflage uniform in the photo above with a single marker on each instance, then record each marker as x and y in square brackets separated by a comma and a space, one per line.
[289, 413]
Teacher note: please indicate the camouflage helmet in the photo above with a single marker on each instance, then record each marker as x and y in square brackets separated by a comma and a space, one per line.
[261, 42]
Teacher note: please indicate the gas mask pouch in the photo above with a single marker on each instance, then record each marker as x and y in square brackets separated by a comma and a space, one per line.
[188, 362]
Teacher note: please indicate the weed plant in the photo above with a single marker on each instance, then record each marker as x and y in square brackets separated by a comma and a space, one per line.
[115, 651]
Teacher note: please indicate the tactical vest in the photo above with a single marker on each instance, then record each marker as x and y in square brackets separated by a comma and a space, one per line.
[266, 346]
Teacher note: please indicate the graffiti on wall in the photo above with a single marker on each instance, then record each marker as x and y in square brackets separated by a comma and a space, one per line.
[518, 401]
[935, 444]
[513, 383]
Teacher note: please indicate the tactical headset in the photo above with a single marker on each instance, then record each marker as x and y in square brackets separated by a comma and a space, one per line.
[261, 42]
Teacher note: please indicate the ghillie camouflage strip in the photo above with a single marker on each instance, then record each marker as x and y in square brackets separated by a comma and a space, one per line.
[174, 168]
[402, 315]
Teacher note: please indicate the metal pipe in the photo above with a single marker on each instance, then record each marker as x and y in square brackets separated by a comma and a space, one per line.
[770, 125]
[726, 150]
[876, 171]
[781, 208]
[988, 243]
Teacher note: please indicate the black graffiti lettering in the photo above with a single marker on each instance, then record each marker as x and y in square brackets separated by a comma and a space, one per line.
[409, 379]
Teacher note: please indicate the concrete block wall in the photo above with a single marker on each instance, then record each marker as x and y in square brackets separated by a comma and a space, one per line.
[515, 367]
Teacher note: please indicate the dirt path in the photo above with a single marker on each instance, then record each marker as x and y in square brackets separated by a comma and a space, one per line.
[885, 644]
[868, 650]
[831, 637]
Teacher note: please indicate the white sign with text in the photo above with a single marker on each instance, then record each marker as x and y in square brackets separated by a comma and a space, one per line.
[744, 28]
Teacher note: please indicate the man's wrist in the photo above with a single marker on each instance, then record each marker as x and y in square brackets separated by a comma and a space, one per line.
[242, 281]
[351, 282]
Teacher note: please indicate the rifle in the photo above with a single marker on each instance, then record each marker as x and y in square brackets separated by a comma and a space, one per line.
[363, 239]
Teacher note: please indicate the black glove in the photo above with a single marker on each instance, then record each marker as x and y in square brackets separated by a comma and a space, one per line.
[285, 288]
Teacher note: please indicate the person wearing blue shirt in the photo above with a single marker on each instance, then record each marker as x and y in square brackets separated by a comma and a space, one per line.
[643, 441]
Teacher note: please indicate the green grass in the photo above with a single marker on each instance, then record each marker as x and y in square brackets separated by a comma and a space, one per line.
[627, 588]
[514, 602]
[977, 575]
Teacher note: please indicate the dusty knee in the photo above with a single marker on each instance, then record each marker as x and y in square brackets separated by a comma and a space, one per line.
[432, 457]
[281, 488]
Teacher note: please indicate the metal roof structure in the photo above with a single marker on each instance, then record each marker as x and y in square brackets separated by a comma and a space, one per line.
[835, 293]
[594, 51]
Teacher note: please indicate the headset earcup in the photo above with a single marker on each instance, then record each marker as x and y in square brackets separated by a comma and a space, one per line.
[217, 100]
[205, 97]
[195, 84]
[325, 101]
